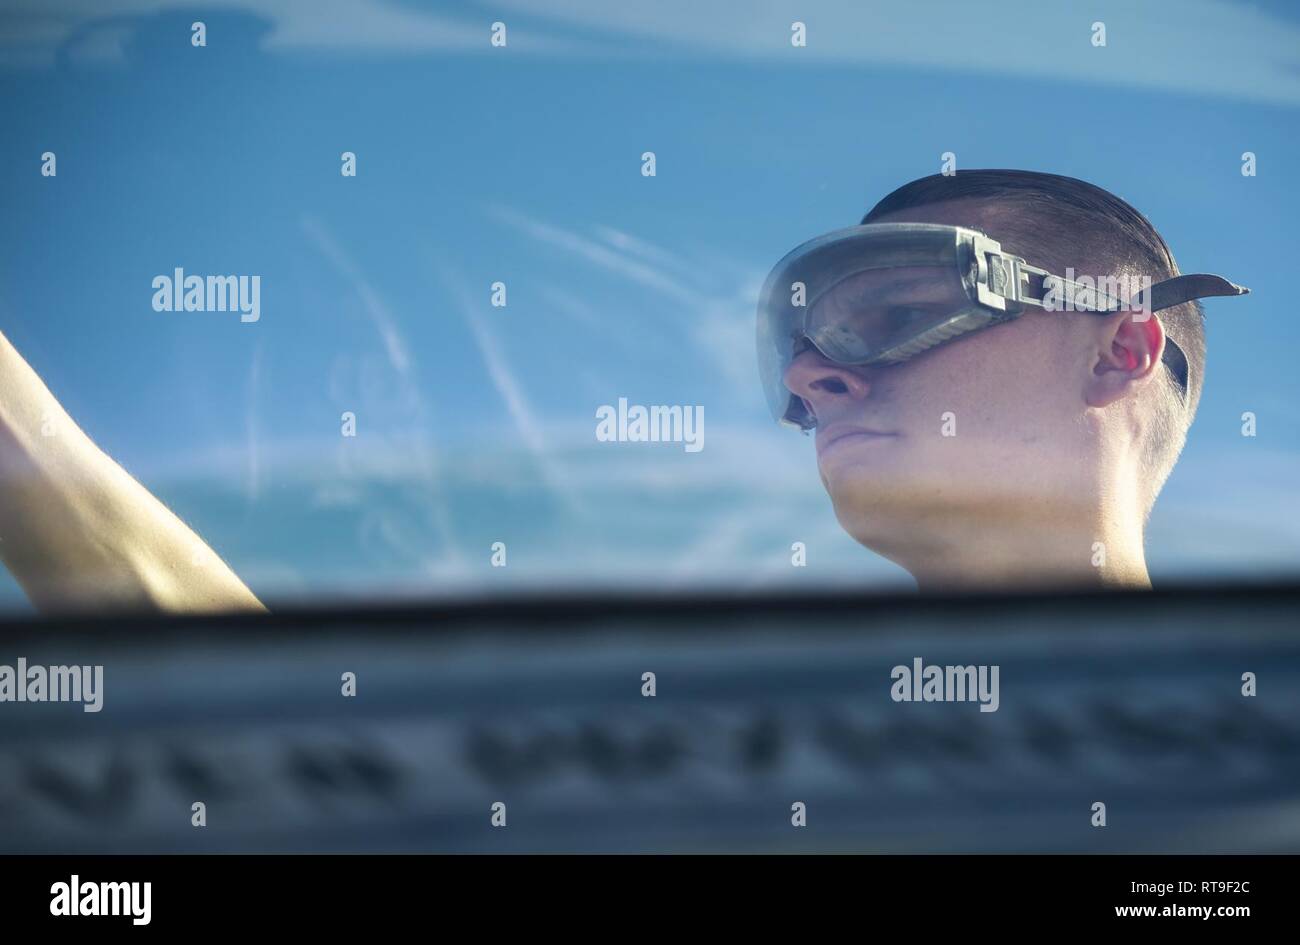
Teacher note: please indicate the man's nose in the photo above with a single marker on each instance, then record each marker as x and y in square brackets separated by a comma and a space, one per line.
[821, 382]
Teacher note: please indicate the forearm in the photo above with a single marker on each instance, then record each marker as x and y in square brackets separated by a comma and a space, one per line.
[77, 532]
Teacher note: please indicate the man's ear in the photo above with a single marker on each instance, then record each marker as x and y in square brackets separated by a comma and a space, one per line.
[1128, 356]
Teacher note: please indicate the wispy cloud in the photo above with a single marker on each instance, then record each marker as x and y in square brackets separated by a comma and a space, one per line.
[614, 260]
[34, 33]
[526, 424]
[709, 310]
[1209, 47]
[1202, 47]
[395, 346]
[389, 523]
[653, 254]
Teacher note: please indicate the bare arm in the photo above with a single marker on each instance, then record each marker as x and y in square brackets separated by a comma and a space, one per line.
[77, 532]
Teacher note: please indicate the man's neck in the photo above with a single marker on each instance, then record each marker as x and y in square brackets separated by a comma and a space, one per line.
[1101, 550]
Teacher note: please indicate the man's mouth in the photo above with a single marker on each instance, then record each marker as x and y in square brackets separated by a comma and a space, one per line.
[830, 437]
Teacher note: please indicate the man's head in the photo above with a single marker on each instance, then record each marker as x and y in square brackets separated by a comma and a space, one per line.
[1050, 422]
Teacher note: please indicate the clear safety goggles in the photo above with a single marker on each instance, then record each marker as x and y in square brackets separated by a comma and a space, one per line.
[884, 292]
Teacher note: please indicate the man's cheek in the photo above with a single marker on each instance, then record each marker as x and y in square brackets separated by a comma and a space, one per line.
[943, 416]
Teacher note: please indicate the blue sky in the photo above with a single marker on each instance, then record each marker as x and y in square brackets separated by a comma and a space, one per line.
[522, 164]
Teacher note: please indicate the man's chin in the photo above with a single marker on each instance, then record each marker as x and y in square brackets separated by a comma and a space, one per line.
[884, 511]
[866, 511]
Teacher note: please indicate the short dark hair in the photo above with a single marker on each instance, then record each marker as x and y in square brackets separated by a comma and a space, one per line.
[1066, 211]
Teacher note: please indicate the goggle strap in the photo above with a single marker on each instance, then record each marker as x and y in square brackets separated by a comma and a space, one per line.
[1197, 285]
[1034, 285]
